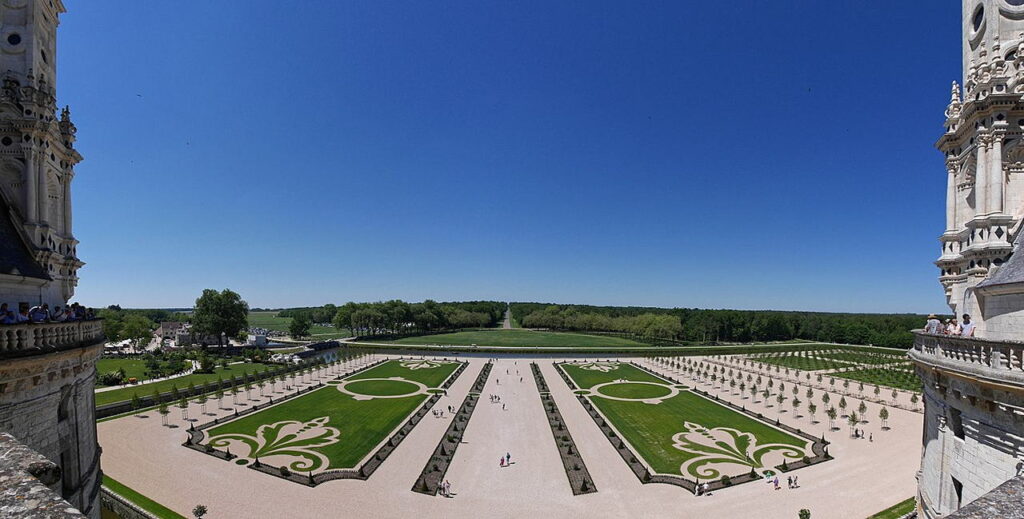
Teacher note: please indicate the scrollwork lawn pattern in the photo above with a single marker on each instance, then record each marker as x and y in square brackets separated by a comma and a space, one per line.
[725, 445]
[294, 440]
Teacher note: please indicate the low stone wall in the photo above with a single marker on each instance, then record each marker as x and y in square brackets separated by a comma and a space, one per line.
[121, 506]
[27, 482]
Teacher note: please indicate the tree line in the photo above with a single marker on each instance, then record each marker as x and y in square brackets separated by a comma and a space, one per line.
[719, 326]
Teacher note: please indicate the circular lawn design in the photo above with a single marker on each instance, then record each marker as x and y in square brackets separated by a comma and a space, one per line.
[635, 391]
[370, 388]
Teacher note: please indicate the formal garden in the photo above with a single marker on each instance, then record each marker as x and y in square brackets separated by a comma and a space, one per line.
[334, 426]
[679, 432]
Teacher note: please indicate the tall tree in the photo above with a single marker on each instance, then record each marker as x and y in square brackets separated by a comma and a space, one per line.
[223, 314]
[299, 327]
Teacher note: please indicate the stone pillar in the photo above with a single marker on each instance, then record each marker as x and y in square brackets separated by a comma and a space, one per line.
[995, 175]
[981, 177]
[31, 183]
[67, 203]
[951, 199]
[44, 195]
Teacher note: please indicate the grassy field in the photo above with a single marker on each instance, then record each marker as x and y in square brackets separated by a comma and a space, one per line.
[520, 337]
[361, 424]
[123, 394]
[132, 367]
[862, 358]
[587, 378]
[899, 378]
[650, 428]
[896, 511]
[140, 500]
[271, 321]
[796, 361]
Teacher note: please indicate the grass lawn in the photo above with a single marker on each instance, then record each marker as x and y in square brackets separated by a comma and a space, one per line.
[896, 511]
[899, 378]
[628, 390]
[862, 358]
[362, 424]
[650, 428]
[140, 500]
[586, 378]
[797, 361]
[520, 337]
[132, 367]
[271, 321]
[120, 395]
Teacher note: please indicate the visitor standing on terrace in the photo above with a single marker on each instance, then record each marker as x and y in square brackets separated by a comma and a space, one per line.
[967, 329]
[933, 325]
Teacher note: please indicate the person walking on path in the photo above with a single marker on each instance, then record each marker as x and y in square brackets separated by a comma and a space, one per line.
[508, 458]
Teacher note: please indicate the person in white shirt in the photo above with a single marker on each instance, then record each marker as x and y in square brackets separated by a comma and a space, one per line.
[953, 328]
[967, 329]
[933, 325]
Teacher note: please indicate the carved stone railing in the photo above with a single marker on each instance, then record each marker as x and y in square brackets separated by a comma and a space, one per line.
[1001, 360]
[31, 338]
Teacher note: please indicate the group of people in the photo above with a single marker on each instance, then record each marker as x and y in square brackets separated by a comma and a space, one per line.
[43, 314]
[964, 328]
[859, 434]
[505, 461]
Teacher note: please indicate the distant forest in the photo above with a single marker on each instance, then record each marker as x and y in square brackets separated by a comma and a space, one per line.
[683, 325]
[717, 326]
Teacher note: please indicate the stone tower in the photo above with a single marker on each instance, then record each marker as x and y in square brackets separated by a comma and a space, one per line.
[37, 155]
[973, 440]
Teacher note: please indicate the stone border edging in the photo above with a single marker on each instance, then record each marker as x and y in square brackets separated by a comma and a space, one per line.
[432, 475]
[576, 471]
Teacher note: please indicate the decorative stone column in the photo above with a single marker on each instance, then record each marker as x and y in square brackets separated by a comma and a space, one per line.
[67, 204]
[31, 183]
[995, 174]
[981, 177]
[951, 198]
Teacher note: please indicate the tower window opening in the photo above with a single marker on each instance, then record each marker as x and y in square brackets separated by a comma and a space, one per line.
[978, 18]
[14, 38]
[956, 422]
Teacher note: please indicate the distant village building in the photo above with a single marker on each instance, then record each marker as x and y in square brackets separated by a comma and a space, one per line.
[169, 330]
[973, 441]
[48, 447]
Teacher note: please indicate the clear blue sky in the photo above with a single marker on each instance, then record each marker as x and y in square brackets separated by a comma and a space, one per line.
[738, 154]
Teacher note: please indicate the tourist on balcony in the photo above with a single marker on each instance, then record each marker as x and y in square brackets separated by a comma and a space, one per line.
[967, 329]
[39, 314]
[57, 315]
[933, 325]
[953, 327]
[22, 316]
[8, 317]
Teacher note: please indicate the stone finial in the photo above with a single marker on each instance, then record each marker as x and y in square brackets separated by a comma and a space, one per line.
[954, 94]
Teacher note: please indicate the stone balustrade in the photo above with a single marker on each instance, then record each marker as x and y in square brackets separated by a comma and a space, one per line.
[994, 359]
[29, 338]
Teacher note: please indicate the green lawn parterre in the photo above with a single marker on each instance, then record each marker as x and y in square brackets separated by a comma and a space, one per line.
[896, 511]
[140, 500]
[360, 424]
[650, 428]
[897, 378]
[124, 394]
[520, 337]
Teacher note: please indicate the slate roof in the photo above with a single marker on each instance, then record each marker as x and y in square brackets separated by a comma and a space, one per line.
[1012, 271]
[15, 256]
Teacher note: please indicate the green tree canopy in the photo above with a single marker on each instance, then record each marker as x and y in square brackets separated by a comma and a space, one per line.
[218, 313]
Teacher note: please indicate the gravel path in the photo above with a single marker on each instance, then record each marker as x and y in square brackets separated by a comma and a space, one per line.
[863, 479]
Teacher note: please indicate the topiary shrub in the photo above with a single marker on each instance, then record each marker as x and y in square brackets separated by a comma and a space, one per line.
[727, 481]
[284, 471]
